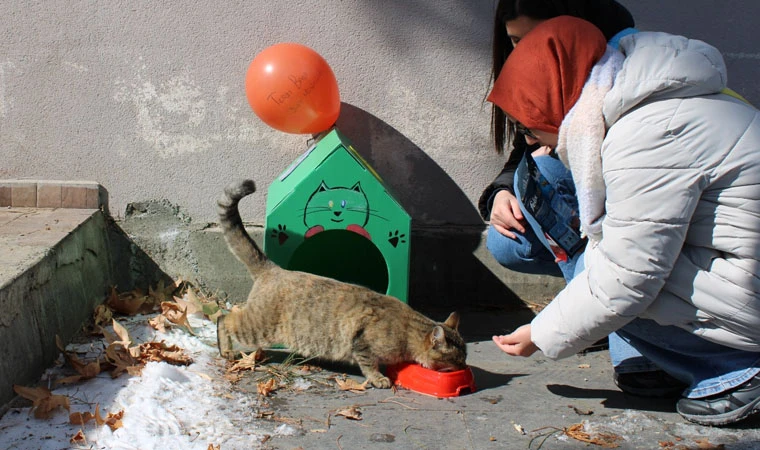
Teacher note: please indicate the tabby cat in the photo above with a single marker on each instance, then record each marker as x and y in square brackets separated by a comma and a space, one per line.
[320, 317]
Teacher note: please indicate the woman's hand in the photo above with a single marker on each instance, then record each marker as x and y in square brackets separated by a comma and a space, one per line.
[518, 343]
[506, 214]
[544, 150]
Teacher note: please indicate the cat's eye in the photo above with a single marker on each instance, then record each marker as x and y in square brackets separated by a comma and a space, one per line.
[342, 203]
[330, 204]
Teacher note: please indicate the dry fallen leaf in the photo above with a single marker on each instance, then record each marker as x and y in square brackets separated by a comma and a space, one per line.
[79, 439]
[128, 303]
[102, 315]
[161, 293]
[78, 418]
[177, 315]
[113, 420]
[606, 440]
[352, 385]
[43, 401]
[159, 351]
[85, 370]
[159, 323]
[264, 388]
[189, 302]
[352, 413]
[247, 362]
[705, 444]
[213, 447]
[122, 360]
[122, 335]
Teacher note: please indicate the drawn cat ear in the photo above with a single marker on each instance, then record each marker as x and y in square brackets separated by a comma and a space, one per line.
[323, 187]
[357, 187]
[437, 336]
[453, 320]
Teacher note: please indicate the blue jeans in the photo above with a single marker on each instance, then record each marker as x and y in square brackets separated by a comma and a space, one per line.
[708, 368]
[530, 252]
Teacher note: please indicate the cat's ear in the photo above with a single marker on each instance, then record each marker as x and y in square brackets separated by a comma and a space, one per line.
[323, 187]
[357, 187]
[437, 336]
[453, 320]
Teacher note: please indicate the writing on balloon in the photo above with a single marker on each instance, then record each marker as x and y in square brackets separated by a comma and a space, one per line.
[303, 86]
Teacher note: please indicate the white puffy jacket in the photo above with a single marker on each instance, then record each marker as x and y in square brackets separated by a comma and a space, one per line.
[681, 236]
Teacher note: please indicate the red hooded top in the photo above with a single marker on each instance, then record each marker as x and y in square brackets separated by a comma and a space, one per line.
[545, 73]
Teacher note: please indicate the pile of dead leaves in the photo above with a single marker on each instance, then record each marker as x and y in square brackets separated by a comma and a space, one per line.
[122, 354]
[45, 402]
[126, 356]
[173, 309]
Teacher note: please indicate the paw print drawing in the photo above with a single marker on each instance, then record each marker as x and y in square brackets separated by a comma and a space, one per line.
[394, 238]
[281, 234]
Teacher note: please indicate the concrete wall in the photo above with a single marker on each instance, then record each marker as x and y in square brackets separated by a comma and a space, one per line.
[147, 98]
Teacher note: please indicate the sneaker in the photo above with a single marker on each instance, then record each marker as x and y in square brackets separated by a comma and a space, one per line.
[724, 408]
[655, 383]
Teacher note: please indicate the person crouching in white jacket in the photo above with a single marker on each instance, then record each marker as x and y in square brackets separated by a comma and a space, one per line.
[668, 183]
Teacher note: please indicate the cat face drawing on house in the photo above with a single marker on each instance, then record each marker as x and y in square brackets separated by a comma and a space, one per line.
[337, 208]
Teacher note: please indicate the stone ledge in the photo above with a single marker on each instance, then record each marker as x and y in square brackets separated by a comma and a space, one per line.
[73, 194]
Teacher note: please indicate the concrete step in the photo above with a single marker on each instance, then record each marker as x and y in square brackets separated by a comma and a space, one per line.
[55, 266]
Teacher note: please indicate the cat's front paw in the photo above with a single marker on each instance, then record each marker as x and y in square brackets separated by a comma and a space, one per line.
[230, 355]
[380, 382]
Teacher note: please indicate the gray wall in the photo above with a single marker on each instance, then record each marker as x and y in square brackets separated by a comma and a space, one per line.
[147, 97]
[726, 24]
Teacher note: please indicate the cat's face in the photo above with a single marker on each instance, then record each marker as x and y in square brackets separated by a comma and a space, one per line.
[338, 205]
[447, 350]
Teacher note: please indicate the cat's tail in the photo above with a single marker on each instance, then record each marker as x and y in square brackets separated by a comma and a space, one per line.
[238, 240]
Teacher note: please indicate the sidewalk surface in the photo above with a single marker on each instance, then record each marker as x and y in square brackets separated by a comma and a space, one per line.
[519, 403]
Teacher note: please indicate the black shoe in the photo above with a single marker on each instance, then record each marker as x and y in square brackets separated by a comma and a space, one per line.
[724, 408]
[655, 383]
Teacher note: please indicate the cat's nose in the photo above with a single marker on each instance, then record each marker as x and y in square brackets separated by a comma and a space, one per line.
[337, 213]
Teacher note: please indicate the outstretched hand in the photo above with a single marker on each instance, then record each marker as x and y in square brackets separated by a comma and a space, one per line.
[518, 343]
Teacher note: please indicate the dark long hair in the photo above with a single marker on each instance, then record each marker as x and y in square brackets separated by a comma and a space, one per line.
[608, 15]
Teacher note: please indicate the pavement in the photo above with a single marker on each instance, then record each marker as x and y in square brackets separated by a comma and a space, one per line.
[518, 403]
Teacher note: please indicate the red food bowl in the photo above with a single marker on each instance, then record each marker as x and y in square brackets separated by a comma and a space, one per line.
[431, 382]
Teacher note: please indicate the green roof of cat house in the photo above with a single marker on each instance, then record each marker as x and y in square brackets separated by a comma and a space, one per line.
[330, 213]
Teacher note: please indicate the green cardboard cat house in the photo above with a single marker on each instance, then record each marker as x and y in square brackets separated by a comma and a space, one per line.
[329, 213]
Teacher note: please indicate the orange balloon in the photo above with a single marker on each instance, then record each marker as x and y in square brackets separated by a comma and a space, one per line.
[293, 89]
